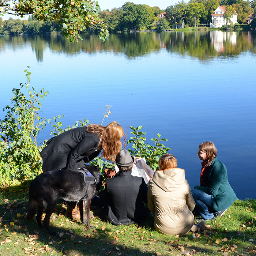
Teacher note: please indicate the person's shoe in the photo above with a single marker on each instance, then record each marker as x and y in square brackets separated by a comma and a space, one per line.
[73, 213]
[198, 227]
[219, 214]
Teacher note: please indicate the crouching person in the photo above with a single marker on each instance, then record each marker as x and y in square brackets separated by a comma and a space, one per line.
[125, 194]
[170, 199]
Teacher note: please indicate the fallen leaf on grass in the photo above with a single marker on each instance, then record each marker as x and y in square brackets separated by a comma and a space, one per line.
[217, 241]
[47, 248]
[7, 240]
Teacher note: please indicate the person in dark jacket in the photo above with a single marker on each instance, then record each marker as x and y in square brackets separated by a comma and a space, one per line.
[214, 195]
[75, 147]
[125, 194]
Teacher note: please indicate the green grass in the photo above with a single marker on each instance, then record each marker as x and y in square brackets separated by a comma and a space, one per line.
[232, 234]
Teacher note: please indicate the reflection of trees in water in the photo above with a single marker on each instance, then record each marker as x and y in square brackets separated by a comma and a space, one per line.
[200, 45]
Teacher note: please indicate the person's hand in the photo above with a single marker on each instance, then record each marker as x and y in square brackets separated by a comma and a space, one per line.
[136, 158]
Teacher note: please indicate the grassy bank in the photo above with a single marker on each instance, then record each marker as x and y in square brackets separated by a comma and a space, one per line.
[232, 234]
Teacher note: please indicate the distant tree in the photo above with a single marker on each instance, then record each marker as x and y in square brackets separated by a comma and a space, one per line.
[112, 19]
[172, 14]
[176, 14]
[229, 13]
[253, 5]
[71, 15]
[35, 27]
[230, 2]
[156, 10]
[210, 7]
[195, 11]
[243, 11]
[13, 26]
[161, 25]
[151, 15]
[145, 16]
[1, 26]
[130, 16]
[138, 16]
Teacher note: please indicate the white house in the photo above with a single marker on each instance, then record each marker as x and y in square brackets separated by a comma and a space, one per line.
[218, 19]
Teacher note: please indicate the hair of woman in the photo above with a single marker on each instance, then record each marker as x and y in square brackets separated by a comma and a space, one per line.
[167, 161]
[209, 148]
[110, 138]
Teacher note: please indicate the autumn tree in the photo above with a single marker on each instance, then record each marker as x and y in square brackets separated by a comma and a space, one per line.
[243, 11]
[71, 15]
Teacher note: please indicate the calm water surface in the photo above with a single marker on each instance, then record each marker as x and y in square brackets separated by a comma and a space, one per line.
[189, 87]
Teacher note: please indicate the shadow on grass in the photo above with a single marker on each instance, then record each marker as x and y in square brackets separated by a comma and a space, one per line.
[75, 239]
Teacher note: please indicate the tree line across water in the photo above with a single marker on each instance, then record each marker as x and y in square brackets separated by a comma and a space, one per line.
[132, 16]
[141, 16]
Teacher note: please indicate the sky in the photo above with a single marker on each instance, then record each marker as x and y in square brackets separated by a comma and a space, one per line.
[110, 4]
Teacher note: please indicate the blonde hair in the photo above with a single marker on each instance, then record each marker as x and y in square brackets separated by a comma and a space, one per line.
[167, 161]
[110, 138]
[209, 148]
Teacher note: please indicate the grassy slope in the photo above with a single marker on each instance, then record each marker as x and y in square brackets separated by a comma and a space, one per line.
[232, 234]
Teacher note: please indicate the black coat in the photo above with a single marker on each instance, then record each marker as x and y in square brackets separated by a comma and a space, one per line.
[71, 149]
[124, 200]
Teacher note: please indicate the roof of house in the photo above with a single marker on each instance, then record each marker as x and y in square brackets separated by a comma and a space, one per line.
[162, 14]
[223, 8]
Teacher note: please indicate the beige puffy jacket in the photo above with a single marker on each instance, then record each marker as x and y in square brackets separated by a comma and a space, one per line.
[170, 199]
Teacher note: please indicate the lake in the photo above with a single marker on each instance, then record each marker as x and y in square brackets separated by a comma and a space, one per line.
[189, 87]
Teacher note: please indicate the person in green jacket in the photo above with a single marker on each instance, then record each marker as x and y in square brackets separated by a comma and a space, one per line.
[214, 195]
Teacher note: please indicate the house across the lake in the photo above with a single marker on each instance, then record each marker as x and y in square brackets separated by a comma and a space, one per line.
[162, 15]
[218, 19]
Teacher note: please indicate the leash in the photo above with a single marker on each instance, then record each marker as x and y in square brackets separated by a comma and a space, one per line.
[89, 179]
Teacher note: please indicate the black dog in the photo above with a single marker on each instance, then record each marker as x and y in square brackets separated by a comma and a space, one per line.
[71, 186]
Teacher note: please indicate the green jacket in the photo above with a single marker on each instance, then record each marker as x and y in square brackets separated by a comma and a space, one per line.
[218, 186]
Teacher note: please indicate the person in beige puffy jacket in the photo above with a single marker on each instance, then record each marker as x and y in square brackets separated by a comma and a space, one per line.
[170, 198]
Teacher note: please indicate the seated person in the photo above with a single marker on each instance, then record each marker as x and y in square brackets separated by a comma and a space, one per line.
[170, 199]
[214, 195]
[125, 195]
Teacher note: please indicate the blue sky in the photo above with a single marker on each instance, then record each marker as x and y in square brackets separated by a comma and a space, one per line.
[162, 4]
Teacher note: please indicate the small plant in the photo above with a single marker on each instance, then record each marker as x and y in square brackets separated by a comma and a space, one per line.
[106, 113]
[142, 149]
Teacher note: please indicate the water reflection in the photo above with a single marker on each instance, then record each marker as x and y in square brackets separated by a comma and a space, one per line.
[202, 45]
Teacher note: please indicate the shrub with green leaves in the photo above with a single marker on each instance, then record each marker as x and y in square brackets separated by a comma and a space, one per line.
[19, 154]
[140, 148]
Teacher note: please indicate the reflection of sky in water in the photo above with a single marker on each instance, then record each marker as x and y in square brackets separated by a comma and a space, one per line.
[185, 100]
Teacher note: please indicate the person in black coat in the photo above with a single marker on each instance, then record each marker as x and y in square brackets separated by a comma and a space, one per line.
[75, 147]
[125, 194]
